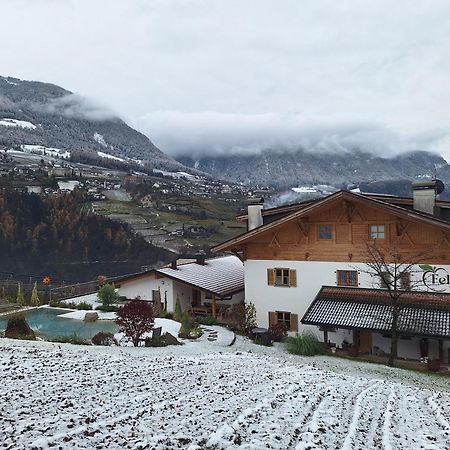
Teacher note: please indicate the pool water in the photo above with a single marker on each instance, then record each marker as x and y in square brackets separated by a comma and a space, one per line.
[46, 323]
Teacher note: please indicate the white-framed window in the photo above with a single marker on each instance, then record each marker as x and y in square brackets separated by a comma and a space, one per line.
[325, 232]
[286, 318]
[377, 232]
[282, 277]
[347, 277]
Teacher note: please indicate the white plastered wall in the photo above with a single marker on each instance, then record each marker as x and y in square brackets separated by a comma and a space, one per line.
[143, 288]
[311, 276]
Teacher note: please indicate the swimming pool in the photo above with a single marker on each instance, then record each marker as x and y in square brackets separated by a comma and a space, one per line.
[46, 323]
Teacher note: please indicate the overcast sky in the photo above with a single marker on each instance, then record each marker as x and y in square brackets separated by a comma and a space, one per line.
[240, 75]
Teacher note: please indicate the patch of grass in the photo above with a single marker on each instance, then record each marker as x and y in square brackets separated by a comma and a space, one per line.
[105, 308]
[207, 320]
[70, 305]
[84, 305]
[70, 339]
[306, 345]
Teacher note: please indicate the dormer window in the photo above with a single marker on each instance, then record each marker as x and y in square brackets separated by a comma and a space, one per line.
[377, 232]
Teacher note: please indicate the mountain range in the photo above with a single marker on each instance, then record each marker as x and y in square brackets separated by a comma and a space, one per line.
[285, 169]
[43, 114]
[35, 113]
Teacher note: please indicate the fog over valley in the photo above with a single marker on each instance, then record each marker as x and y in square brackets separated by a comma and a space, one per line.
[213, 78]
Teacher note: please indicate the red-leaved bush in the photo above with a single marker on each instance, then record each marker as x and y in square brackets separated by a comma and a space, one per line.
[278, 331]
[135, 319]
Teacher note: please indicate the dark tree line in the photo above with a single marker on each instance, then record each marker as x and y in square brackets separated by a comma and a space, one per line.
[58, 236]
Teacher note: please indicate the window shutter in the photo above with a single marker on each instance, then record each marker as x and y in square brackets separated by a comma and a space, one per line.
[270, 277]
[272, 318]
[292, 277]
[294, 322]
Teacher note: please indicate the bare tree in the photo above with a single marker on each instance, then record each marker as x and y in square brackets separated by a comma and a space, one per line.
[396, 272]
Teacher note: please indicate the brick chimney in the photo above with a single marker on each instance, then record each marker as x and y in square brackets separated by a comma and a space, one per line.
[254, 215]
[424, 196]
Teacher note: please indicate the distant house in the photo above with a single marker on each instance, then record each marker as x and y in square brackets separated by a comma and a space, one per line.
[202, 286]
[306, 266]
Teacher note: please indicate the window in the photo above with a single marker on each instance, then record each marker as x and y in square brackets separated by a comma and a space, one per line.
[325, 231]
[347, 278]
[288, 319]
[377, 232]
[284, 318]
[385, 280]
[281, 276]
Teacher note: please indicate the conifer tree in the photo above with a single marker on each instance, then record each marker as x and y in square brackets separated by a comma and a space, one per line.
[178, 313]
[20, 299]
[35, 301]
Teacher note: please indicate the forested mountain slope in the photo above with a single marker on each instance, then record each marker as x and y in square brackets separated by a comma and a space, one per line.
[54, 236]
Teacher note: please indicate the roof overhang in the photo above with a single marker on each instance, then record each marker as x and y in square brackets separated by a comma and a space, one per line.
[423, 314]
[234, 243]
[160, 274]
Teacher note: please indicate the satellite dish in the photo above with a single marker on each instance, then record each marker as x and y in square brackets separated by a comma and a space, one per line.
[439, 187]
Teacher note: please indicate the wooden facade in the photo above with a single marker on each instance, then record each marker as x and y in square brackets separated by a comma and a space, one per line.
[296, 237]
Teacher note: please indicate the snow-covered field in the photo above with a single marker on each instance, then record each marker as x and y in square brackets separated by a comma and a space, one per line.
[16, 123]
[49, 151]
[63, 396]
[106, 155]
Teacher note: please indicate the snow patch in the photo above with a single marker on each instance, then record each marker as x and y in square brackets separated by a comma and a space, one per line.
[305, 189]
[174, 174]
[17, 123]
[106, 155]
[100, 139]
[49, 151]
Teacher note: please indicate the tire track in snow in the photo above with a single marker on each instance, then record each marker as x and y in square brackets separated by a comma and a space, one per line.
[387, 423]
[329, 420]
[437, 411]
[413, 422]
[87, 399]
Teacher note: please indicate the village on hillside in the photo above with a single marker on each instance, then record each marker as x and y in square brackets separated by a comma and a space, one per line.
[224, 225]
[341, 281]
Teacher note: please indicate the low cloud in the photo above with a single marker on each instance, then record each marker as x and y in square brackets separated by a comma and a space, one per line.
[218, 134]
[78, 107]
[5, 103]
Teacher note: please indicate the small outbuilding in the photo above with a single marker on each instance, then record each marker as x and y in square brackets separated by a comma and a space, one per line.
[202, 286]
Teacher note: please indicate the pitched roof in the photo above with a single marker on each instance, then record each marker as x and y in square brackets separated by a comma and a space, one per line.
[406, 202]
[423, 313]
[218, 276]
[324, 202]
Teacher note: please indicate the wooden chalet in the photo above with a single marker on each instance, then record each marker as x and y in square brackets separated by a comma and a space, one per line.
[290, 253]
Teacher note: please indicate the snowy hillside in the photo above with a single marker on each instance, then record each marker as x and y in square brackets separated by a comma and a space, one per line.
[64, 396]
[16, 123]
[43, 114]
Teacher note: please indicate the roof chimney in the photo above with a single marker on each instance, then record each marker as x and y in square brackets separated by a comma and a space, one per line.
[254, 217]
[173, 264]
[200, 257]
[425, 194]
